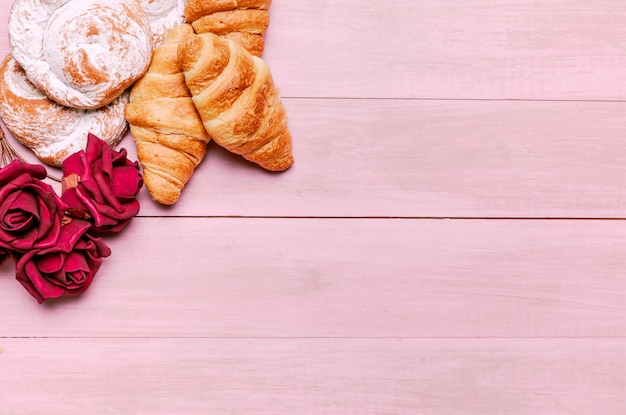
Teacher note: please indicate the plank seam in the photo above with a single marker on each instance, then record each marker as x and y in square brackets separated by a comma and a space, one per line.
[310, 338]
[444, 99]
[451, 218]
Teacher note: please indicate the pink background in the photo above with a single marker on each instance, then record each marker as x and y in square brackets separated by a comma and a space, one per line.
[450, 240]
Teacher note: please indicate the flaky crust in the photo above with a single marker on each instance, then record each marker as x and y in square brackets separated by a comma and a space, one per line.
[81, 53]
[170, 138]
[237, 100]
[194, 9]
[244, 21]
[50, 130]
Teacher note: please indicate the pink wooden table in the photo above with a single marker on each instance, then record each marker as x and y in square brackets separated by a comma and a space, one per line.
[450, 241]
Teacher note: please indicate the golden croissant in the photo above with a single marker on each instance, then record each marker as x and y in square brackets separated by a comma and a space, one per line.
[244, 21]
[171, 140]
[237, 100]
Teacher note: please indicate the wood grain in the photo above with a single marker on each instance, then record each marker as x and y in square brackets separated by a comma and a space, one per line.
[404, 158]
[344, 278]
[483, 49]
[313, 376]
[338, 287]
[364, 158]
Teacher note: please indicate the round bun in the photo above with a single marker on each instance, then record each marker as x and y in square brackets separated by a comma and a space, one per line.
[52, 131]
[163, 15]
[81, 53]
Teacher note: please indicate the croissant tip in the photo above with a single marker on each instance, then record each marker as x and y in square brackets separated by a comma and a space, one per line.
[165, 200]
[162, 193]
[280, 165]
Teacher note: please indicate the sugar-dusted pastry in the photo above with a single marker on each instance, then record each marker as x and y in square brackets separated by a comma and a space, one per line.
[167, 129]
[50, 130]
[237, 100]
[244, 21]
[81, 53]
[163, 15]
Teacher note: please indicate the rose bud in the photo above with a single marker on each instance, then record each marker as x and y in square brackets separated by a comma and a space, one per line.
[30, 211]
[66, 269]
[101, 185]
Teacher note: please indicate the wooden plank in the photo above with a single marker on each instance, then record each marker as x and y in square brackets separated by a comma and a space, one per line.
[357, 158]
[427, 159]
[487, 49]
[313, 376]
[196, 277]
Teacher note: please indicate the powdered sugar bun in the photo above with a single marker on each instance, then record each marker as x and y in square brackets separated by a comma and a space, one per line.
[163, 15]
[50, 130]
[81, 53]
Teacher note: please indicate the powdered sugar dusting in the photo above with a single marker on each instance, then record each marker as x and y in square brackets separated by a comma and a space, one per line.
[163, 15]
[81, 53]
[51, 130]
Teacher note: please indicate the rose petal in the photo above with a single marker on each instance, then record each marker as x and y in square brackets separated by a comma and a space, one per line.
[76, 261]
[51, 263]
[19, 222]
[126, 183]
[95, 146]
[74, 164]
[30, 210]
[71, 234]
[68, 268]
[35, 283]
[6, 207]
[26, 202]
[108, 186]
[17, 168]
[103, 181]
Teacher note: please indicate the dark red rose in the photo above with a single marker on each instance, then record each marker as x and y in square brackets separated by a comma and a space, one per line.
[30, 211]
[3, 255]
[66, 269]
[101, 185]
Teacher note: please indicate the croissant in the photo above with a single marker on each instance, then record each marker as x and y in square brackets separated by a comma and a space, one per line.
[171, 140]
[237, 100]
[244, 21]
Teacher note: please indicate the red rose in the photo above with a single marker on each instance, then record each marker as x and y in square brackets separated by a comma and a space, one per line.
[66, 269]
[101, 185]
[3, 255]
[30, 211]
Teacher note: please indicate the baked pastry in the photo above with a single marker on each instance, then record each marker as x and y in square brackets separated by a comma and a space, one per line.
[163, 15]
[237, 100]
[81, 53]
[50, 130]
[244, 21]
[166, 127]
